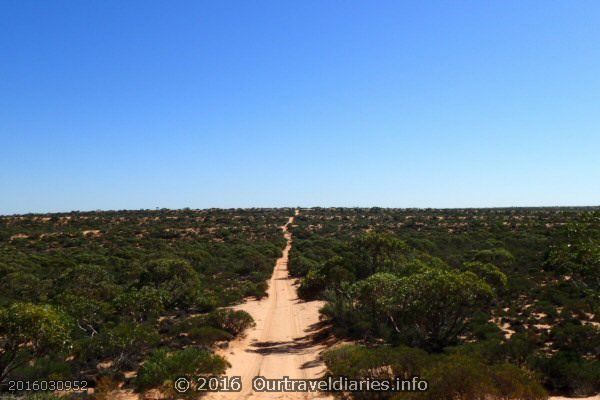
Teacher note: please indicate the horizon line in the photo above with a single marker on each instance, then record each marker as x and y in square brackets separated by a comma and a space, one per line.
[89, 211]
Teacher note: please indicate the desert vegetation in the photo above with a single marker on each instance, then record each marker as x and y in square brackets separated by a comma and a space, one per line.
[129, 299]
[483, 303]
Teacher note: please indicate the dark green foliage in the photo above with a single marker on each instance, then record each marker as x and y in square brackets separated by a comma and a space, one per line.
[489, 272]
[450, 376]
[218, 325]
[165, 366]
[362, 362]
[467, 378]
[497, 256]
[140, 305]
[574, 337]
[232, 321]
[208, 335]
[513, 287]
[28, 331]
[466, 278]
[175, 279]
[427, 309]
[332, 274]
[50, 367]
[576, 260]
[568, 372]
[115, 283]
[123, 343]
[376, 252]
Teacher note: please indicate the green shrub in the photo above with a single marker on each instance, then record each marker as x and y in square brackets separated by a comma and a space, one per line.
[567, 372]
[312, 284]
[512, 382]
[232, 321]
[488, 330]
[29, 331]
[48, 367]
[207, 335]
[257, 290]
[582, 339]
[455, 376]
[460, 377]
[489, 272]
[345, 318]
[428, 309]
[163, 366]
[122, 343]
[174, 277]
[497, 256]
[362, 362]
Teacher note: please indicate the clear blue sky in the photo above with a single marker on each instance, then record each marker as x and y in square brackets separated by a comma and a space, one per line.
[122, 104]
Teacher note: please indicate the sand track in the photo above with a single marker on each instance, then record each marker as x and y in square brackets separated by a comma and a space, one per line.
[283, 342]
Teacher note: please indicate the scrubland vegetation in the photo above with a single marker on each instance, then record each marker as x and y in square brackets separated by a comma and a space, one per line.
[131, 298]
[483, 303]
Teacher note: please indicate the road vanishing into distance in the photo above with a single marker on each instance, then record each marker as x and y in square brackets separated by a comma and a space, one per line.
[284, 340]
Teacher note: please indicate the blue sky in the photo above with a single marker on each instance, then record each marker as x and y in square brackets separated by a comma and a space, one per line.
[122, 104]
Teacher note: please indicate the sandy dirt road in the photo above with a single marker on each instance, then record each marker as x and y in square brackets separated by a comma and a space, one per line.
[283, 341]
[281, 344]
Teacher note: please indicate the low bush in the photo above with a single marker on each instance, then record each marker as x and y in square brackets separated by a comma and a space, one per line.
[232, 321]
[362, 362]
[164, 366]
[567, 372]
[451, 376]
[460, 377]
[208, 335]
